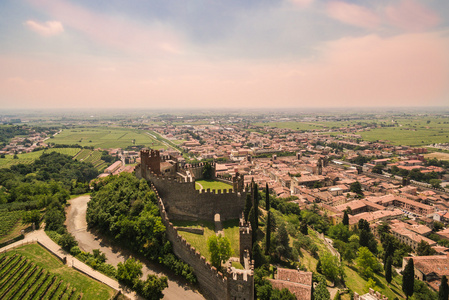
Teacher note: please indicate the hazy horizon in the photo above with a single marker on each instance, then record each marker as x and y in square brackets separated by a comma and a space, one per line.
[289, 54]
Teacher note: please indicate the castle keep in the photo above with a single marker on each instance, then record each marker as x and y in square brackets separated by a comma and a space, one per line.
[174, 185]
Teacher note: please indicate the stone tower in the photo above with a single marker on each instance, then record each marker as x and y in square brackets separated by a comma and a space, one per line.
[246, 239]
[238, 183]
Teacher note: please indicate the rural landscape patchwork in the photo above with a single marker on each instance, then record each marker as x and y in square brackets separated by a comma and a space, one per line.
[224, 205]
[224, 150]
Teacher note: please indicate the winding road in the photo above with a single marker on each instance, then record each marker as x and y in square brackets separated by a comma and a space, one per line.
[87, 241]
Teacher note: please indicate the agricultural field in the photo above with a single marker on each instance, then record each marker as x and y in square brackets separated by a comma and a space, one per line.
[212, 184]
[28, 158]
[106, 138]
[30, 272]
[292, 125]
[9, 219]
[412, 131]
[231, 230]
[437, 155]
[93, 157]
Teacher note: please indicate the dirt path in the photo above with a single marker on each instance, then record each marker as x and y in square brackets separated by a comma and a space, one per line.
[77, 225]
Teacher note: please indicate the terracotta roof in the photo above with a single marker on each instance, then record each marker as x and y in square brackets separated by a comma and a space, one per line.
[438, 264]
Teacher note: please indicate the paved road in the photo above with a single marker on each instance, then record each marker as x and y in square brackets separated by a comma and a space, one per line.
[77, 225]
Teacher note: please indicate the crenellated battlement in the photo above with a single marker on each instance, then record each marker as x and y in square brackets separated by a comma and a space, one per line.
[215, 283]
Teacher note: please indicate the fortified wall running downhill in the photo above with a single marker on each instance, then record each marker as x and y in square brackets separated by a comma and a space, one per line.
[179, 200]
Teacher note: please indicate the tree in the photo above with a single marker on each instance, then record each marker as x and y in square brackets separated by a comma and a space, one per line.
[129, 271]
[268, 234]
[424, 249]
[388, 274]
[257, 256]
[319, 267]
[367, 262]
[443, 292]
[356, 187]
[377, 169]
[337, 296]
[208, 171]
[321, 292]
[220, 249]
[152, 287]
[331, 267]
[282, 242]
[248, 206]
[303, 228]
[67, 241]
[252, 220]
[54, 219]
[30, 217]
[255, 225]
[340, 232]
[408, 278]
[267, 198]
[345, 218]
[435, 183]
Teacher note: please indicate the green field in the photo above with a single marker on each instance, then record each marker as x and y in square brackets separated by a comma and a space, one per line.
[212, 184]
[230, 228]
[106, 138]
[36, 274]
[411, 131]
[8, 220]
[292, 125]
[93, 157]
[28, 158]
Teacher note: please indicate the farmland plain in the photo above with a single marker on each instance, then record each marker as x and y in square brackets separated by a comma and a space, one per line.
[106, 138]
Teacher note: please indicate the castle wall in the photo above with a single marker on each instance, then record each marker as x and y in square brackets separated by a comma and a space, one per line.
[213, 283]
[183, 202]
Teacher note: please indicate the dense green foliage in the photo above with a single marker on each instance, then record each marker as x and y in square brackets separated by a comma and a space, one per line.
[443, 292]
[124, 208]
[408, 279]
[49, 179]
[220, 249]
[264, 290]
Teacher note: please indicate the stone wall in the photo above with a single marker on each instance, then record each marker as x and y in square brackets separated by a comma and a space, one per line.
[213, 283]
[183, 202]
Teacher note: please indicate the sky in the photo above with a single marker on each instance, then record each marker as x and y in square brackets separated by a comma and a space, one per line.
[223, 54]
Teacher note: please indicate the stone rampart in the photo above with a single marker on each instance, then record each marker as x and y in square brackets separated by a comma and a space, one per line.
[213, 283]
[183, 202]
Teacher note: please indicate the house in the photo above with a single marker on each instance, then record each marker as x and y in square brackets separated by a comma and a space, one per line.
[430, 268]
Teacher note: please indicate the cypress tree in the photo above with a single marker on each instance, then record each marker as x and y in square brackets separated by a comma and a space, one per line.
[443, 292]
[268, 234]
[256, 206]
[248, 206]
[304, 228]
[346, 218]
[388, 270]
[251, 220]
[267, 198]
[318, 267]
[408, 279]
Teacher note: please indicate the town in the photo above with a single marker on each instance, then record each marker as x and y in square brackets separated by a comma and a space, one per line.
[320, 164]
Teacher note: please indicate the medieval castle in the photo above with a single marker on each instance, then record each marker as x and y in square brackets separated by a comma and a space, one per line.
[174, 185]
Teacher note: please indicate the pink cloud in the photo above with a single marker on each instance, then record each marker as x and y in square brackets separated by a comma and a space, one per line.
[405, 70]
[302, 3]
[49, 28]
[411, 16]
[116, 32]
[352, 14]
